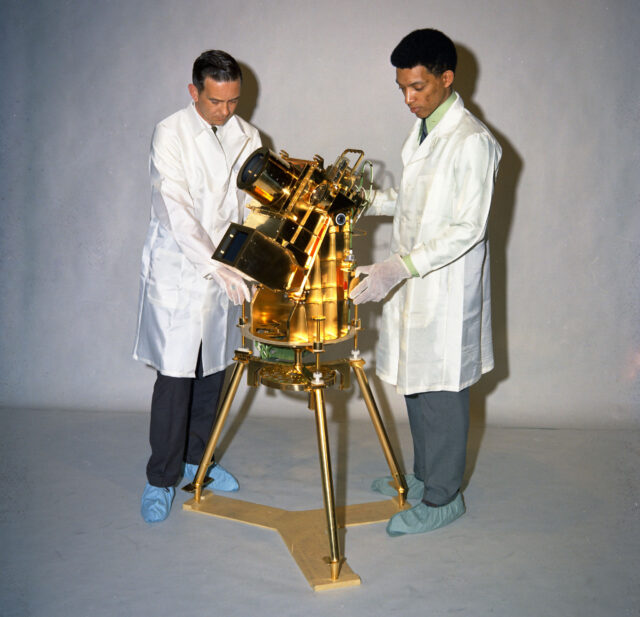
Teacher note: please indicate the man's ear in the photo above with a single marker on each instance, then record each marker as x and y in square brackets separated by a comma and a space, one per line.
[447, 78]
[193, 91]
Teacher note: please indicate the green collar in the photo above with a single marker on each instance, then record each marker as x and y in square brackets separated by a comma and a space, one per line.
[439, 112]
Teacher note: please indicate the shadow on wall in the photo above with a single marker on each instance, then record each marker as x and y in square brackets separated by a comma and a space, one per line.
[249, 101]
[499, 229]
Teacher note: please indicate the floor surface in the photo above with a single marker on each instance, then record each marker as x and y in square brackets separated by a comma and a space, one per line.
[552, 525]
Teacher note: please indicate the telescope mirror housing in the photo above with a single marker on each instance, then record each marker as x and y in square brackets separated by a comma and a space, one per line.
[296, 244]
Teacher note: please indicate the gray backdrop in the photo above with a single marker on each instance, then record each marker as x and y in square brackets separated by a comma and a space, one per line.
[83, 84]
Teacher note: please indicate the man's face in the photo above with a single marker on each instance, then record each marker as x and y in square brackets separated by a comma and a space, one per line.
[218, 100]
[423, 91]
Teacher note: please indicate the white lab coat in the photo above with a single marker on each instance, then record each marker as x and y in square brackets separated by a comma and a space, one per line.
[436, 328]
[194, 197]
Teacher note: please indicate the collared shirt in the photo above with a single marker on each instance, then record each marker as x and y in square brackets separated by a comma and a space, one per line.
[438, 113]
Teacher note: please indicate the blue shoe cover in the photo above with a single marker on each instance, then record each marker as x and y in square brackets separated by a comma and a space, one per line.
[156, 503]
[423, 518]
[222, 479]
[386, 486]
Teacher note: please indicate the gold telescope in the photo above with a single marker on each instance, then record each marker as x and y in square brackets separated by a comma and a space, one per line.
[296, 244]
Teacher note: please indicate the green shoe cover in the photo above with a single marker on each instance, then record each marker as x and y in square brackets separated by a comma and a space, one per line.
[423, 518]
[386, 486]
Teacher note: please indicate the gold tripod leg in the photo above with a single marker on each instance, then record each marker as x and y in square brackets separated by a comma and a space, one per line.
[327, 482]
[401, 484]
[238, 369]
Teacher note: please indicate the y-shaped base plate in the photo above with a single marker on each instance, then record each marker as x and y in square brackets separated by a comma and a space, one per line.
[304, 532]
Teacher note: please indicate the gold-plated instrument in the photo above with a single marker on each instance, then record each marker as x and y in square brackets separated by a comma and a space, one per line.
[296, 246]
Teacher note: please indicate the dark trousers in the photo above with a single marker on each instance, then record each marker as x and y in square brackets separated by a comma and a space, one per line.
[183, 410]
[439, 424]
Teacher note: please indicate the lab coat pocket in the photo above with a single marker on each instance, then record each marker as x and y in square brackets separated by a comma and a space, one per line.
[165, 280]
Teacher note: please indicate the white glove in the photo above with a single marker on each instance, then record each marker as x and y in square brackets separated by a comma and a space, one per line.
[232, 283]
[381, 279]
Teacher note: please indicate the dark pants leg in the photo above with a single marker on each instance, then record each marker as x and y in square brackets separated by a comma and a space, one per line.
[204, 410]
[439, 424]
[418, 429]
[183, 410]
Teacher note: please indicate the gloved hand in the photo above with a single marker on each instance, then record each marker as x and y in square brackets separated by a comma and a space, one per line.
[233, 284]
[382, 278]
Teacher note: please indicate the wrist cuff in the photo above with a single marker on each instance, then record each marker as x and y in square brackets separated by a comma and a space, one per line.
[410, 266]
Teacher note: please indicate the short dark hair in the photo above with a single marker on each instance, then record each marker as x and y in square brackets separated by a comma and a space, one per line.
[218, 65]
[428, 47]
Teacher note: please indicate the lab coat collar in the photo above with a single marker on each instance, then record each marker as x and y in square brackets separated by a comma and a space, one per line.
[412, 151]
[196, 122]
[200, 125]
[231, 139]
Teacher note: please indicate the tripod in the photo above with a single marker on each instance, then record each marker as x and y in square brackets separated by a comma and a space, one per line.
[302, 530]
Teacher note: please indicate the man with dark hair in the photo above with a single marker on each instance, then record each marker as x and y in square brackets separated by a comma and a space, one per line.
[217, 65]
[189, 304]
[435, 339]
